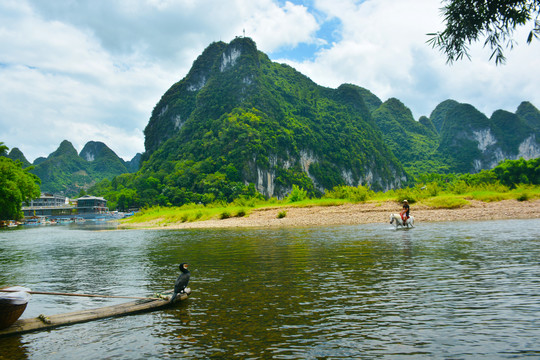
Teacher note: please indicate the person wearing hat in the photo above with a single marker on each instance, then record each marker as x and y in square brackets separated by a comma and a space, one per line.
[405, 212]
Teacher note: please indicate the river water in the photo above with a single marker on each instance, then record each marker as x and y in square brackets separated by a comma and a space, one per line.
[440, 290]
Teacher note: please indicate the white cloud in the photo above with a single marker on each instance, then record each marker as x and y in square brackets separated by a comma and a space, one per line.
[384, 49]
[275, 27]
[94, 70]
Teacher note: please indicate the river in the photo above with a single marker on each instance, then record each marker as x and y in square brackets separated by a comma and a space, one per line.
[441, 290]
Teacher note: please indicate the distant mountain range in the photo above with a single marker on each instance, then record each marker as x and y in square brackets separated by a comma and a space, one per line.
[273, 127]
[66, 172]
[457, 137]
[238, 120]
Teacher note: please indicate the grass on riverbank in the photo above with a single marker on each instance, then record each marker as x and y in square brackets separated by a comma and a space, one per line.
[428, 195]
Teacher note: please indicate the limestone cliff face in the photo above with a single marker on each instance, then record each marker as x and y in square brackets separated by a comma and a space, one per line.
[265, 179]
[492, 153]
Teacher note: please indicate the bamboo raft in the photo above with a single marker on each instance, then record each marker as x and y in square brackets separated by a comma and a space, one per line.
[48, 322]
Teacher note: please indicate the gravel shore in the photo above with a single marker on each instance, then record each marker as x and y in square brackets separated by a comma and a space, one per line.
[350, 214]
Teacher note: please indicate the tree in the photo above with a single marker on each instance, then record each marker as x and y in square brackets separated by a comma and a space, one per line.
[468, 21]
[16, 185]
[3, 149]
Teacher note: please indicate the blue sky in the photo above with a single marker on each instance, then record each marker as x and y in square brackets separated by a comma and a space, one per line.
[94, 70]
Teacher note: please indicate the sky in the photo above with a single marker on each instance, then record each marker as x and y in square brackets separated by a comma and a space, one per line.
[94, 70]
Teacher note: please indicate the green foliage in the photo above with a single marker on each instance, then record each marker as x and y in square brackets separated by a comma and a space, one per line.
[353, 194]
[241, 213]
[17, 185]
[489, 196]
[459, 187]
[467, 21]
[523, 197]
[282, 214]
[446, 202]
[230, 125]
[297, 194]
[529, 114]
[513, 172]
[16, 155]
[3, 149]
[225, 124]
[408, 194]
[526, 192]
[65, 172]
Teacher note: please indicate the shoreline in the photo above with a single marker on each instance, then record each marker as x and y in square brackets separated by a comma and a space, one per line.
[352, 214]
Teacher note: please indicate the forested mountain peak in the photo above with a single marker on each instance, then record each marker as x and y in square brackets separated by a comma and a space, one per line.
[530, 114]
[440, 112]
[65, 149]
[16, 154]
[239, 118]
[471, 141]
[93, 150]
[257, 122]
[66, 172]
[218, 63]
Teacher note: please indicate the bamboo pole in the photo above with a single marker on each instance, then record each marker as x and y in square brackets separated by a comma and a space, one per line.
[48, 322]
[83, 295]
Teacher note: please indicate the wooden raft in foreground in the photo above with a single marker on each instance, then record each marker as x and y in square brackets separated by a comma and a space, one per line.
[48, 322]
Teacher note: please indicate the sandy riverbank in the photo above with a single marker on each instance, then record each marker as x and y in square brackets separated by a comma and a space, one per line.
[350, 214]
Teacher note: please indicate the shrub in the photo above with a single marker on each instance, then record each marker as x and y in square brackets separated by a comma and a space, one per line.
[459, 187]
[432, 189]
[241, 213]
[225, 215]
[406, 194]
[354, 194]
[446, 202]
[245, 201]
[490, 196]
[282, 214]
[297, 194]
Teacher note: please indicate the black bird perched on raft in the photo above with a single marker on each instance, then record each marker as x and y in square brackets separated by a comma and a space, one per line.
[181, 281]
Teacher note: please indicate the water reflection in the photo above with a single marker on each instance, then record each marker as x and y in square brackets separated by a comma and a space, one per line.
[440, 290]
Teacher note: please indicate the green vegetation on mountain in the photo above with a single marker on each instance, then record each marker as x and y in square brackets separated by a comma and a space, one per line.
[239, 125]
[530, 115]
[66, 172]
[469, 21]
[238, 119]
[456, 140]
[102, 160]
[17, 185]
[470, 141]
[415, 143]
[510, 130]
[16, 155]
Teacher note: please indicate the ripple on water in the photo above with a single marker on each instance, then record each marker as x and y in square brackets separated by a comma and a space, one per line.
[460, 290]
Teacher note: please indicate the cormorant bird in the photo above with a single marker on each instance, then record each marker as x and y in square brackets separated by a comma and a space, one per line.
[181, 281]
